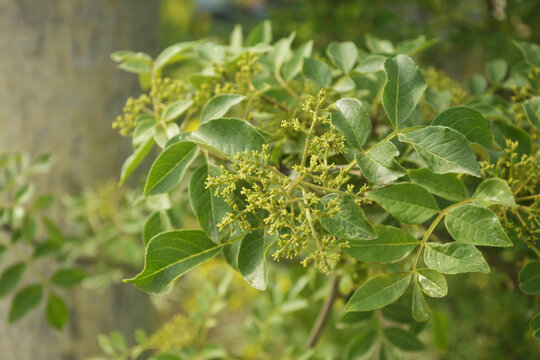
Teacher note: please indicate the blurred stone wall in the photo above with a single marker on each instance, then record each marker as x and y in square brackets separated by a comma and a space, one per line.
[59, 93]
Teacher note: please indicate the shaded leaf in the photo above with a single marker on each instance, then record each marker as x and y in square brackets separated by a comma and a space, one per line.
[317, 71]
[496, 70]
[529, 278]
[25, 300]
[402, 339]
[468, 122]
[209, 209]
[56, 312]
[447, 186]
[361, 345]
[378, 292]
[293, 66]
[409, 203]
[420, 309]
[392, 244]
[503, 132]
[135, 159]
[68, 277]
[350, 222]
[11, 277]
[531, 52]
[252, 258]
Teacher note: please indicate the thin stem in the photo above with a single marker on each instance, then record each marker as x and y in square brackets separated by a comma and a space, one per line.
[324, 313]
[284, 85]
[432, 227]
[525, 198]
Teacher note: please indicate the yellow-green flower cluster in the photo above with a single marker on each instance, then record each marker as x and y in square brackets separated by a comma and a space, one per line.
[290, 205]
[126, 122]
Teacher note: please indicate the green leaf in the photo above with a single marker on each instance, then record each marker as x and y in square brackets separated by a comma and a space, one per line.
[454, 258]
[227, 137]
[444, 150]
[343, 55]
[237, 37]
[318, 72]
[352, 120]
[281, 52]
[404, 87]
[414, 46]
[262, 33]
[11, 277]
[169, 168]
[496, 70]
[136, 66]
[25, 300]
[378, 292]
[172, 54]
[56, 312]
[294, 65]
[135, 159]
[477, 84]
[68, 277]
[432, 282]
[402, 339]
[503, 132]
[447, 186]
[392, 244]
[175, 109]
[361, 345]
[420, 309]
[152, 226]
[209, 209]
[440, 329]
[531, 52]
[219, 105]
[494, 191]
[378, 164]
[409, 203]
[171, 254]
[371, 64]
[466, 121]
[529, 278]
[473, 225]
[252, 259]
[350, 222]
[534, 325]
[532, 109]
[29, 228]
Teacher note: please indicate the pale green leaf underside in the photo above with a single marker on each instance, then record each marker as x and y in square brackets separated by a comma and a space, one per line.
[444, 150]
[219, 105]
[494, 191]
[378, 164]
[227, 137]
[455, 258]
[353, 121]
[474, 225]
[432, 282]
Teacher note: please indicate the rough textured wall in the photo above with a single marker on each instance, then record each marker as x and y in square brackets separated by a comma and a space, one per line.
[59, 93]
